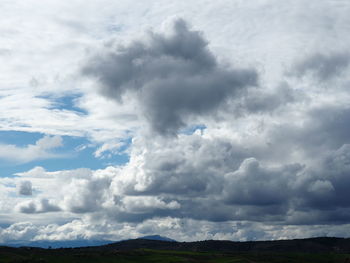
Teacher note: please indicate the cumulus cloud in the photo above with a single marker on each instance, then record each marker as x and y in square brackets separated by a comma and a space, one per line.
[252, 184]
[42, 149]
[175, 77]
[235, 187]
[35, 172]
[86, 195]
[25, 188]
[40, 206]
[18, 231]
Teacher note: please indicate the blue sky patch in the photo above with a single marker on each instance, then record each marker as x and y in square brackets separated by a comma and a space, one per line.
[65, 103]
[191, 129]
[76, 152]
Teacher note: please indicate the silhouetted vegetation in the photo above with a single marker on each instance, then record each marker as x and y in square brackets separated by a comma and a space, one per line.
[320, 250]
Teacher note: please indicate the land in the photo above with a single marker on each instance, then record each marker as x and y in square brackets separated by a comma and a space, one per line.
[141, 250]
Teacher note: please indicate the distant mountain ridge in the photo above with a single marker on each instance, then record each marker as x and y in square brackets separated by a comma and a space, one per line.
[157, 237]
[59, 244]
[79, 243]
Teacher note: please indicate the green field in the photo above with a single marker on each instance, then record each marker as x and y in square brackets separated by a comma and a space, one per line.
[159, 256]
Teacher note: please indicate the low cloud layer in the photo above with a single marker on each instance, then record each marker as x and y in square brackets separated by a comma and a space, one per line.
[241, 200]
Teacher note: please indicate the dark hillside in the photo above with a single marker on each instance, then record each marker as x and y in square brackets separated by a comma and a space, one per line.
[311, 245]
[313, 250]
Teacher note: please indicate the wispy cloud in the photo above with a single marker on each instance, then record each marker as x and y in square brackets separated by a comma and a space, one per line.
[42, 149]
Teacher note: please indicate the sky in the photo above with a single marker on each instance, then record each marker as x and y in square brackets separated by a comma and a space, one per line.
[194, 120]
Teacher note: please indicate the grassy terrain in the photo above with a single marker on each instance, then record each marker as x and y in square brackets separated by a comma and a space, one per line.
[159, 256]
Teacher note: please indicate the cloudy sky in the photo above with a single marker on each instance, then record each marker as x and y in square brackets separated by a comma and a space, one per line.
[195, 120]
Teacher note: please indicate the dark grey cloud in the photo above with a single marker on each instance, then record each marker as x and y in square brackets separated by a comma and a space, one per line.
[319, 193]
[324, 129]
[253, 184]
[41, 206]
[140, 208]
[25, 188]
[323, 66]
[329, 125]
[329, 190]
[261, 101]
[175, 77]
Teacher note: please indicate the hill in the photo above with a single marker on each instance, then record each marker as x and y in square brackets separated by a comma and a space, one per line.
[312, 250]
[157, 237]
[310, 245]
